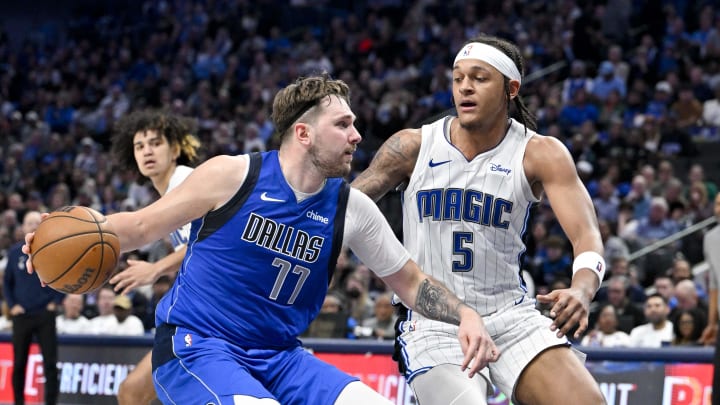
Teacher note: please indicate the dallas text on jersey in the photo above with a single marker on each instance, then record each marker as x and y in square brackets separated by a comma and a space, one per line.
[281, 238]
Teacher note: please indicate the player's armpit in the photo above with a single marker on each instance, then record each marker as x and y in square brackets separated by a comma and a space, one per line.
[393, 163]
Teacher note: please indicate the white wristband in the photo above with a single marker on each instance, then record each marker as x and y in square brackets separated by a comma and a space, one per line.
[592, 261]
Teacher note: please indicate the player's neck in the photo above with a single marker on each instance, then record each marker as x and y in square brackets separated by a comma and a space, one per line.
[299, 172]
[161, 182]
[476, 139]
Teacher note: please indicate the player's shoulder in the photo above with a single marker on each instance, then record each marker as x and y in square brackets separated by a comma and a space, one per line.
[546, 150]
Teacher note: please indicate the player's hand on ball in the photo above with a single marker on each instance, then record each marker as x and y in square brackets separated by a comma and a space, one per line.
[570, 308]
[476, 343]
[26, 248]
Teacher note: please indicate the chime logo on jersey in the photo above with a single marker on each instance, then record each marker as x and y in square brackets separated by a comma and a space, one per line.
[281, 238]
[456, 204]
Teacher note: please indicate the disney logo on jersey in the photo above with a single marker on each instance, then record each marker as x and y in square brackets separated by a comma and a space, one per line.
[456, 204]
[282, 238]
[497, 167]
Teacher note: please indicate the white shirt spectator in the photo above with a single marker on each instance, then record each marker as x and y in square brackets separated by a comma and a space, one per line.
[72, 326]
[600, 339]
[647, 336]
[109, 325]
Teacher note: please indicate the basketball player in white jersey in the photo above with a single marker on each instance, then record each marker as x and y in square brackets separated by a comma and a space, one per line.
[158, 146]
[470, 182]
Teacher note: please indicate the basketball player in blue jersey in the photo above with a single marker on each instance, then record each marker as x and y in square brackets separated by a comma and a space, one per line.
[269, 229]
[470, 183]
[157, 146]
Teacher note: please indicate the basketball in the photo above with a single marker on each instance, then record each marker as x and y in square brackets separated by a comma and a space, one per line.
[74, 250]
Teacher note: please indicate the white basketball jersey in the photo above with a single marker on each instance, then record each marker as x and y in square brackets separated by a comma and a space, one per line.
[180, 236]
[463, 221]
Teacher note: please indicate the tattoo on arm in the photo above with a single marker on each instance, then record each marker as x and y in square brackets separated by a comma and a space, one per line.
[436, 302]
[392, 164]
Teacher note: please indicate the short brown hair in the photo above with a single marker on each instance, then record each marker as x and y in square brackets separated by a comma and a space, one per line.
[292, 102]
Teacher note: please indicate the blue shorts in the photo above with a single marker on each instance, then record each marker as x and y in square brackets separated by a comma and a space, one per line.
[191, 369]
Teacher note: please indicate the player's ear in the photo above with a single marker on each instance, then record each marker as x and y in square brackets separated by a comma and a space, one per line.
[302, 133]
[176, 151]
[514, 88]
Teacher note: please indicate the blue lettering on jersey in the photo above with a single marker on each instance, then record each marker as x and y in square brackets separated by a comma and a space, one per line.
[179, 237]
[455, 204]
[281, 238]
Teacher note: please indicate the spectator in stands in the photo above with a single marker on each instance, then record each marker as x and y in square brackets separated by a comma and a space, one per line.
[697, 174]
[687, 109]
[614, 245]
[33, 310]
[664, 286]
[656, 226]
[606, 202]
[658, 331]
[121, 322]
[606, 333]
[356, 296]
[578, 111]
[629, 314]
[639, 197]
[681, 270]
[607, 81]
[72, 321]
[578, 79]
[104, 308]
[332, 321]
[688, 299]
[557, 263]
[688, 325]
[382, 324]
[658, 107]
[711, 108]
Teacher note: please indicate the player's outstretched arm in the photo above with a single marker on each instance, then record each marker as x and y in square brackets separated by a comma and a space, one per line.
[550, 168]
[208, 187]
[433, 300]
[140, 272]
[393, 163]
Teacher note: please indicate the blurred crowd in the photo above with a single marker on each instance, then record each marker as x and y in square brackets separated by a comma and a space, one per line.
[631, 87]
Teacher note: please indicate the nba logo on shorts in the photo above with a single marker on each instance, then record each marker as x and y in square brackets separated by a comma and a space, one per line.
[188, 340]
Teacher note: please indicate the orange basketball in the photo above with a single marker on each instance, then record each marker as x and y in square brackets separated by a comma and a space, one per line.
[74, 250]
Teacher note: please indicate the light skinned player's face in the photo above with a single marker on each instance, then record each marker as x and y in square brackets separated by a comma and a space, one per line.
[153, 154]
[334, 137]
[479, 93]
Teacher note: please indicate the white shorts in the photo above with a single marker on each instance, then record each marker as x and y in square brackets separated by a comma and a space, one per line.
[520, 332]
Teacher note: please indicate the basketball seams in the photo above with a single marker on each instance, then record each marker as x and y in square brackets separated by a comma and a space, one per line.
[75, 263]
[77, 260]
[102, 241]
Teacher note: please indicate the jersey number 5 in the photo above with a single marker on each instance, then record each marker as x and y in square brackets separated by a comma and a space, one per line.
[285, 267]
[461, 240]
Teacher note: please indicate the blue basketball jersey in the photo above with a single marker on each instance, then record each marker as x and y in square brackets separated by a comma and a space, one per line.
[257, 269]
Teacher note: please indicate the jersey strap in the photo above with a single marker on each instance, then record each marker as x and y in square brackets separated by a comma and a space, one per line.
[339, 228]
